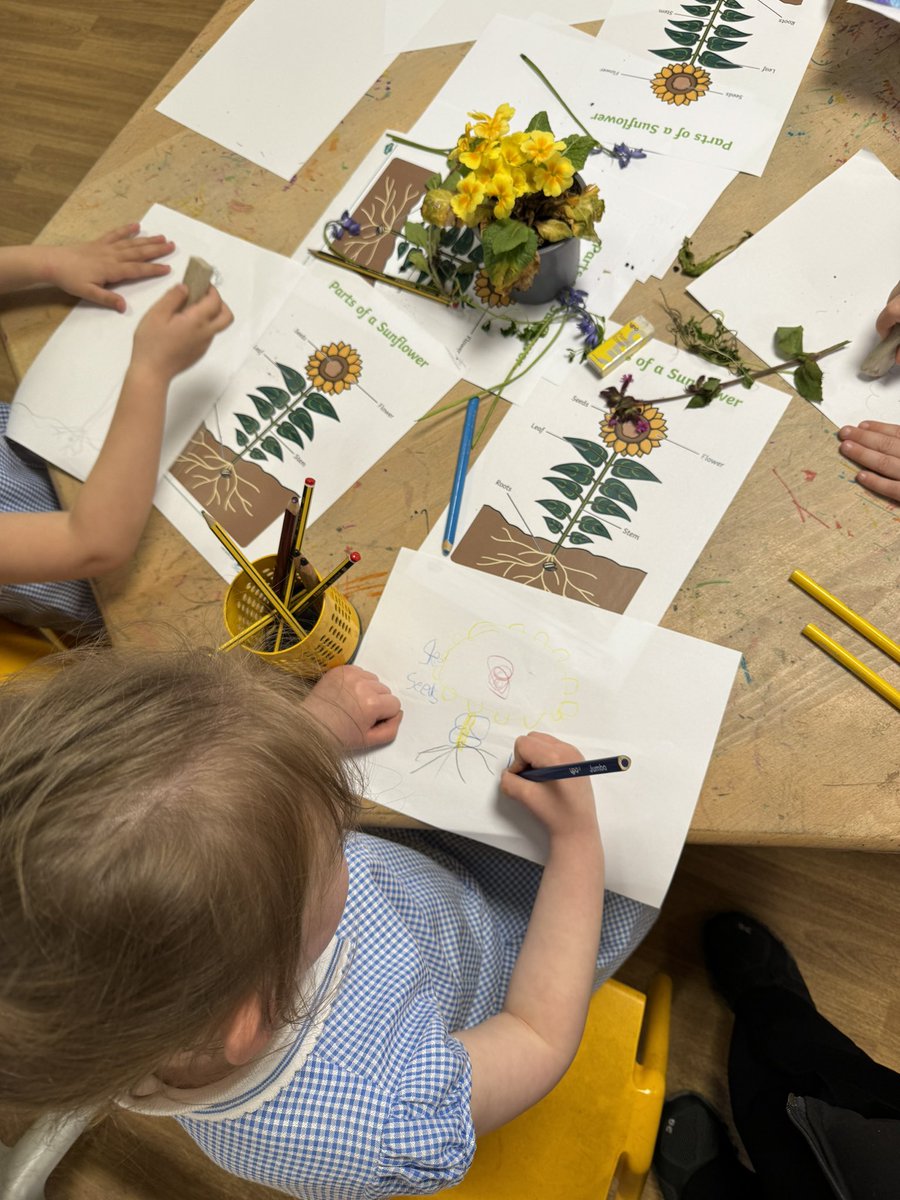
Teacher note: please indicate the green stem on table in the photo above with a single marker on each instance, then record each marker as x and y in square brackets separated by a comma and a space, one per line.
[546, 82]
[754, 375]
[395, 137]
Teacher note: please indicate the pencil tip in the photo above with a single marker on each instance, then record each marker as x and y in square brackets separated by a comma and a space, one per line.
[446, 547]
[208, 519]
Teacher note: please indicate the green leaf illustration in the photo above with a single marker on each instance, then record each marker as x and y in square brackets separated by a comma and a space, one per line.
[595, 527]
[318, 403]
[289, 433]
[402, 248]
[539, 121]
[242, 439]
[249, 423]
[553, 526]
[271, 446]
[682, 38]
[263, 407]
[697, 10]
[726, 31]
[591, 452]
[615, 489]
[808, 380]
[733, 15]
[465, 242]
[569, 489]
[293, 380]
[695, 26]
[671, 54]
[789, 340]
[627, 468]
[304, 422]
[608, 508]
[257, 454]
[708, 59]
[560, 510]
[733, 4]
[715, 43]
[578, 539]
[278, 396]
[577, 471]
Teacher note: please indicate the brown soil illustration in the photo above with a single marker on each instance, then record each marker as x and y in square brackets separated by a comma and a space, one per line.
[493, 545]
[240, 495]
[382, 212]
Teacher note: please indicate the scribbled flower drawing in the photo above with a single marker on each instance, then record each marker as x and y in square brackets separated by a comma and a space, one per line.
[635, 436]
[334, 368]
[681, 83]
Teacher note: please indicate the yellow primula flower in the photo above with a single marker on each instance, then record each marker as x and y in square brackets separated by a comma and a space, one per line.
[555, 175]
[474, 155]
[539, 146]
[511, 149]
[469, 194]
[493, 128]
[503, 188]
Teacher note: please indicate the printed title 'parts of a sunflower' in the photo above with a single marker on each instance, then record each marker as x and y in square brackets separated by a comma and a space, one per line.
[564, 500]
[782, 276]
[476, 661]
[708, 82]
[339, 375]
[65, 403]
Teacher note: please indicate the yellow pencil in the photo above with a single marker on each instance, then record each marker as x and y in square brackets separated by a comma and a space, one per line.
[859, 669]
[860, 624]
[251, 572]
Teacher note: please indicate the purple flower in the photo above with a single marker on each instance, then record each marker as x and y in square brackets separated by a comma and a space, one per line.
[627, 381]
[589, 331]
[572, 298]
[624, 154]
[336, 228]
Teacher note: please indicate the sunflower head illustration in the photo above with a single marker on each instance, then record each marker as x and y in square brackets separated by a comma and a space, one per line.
[682, 83]
[490, 295]
[634, 435]
[334, 368]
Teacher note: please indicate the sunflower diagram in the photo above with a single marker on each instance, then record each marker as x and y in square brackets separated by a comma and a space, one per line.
[591, 490]
[230, 484]
[710, 31]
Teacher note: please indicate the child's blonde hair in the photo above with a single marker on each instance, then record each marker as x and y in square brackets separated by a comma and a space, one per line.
[165, 820]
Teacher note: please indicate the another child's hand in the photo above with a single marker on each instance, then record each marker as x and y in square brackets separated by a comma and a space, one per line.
[86, 269]
[169, 338]
[875, 446]
[564, 806]
[889, 316]
[356, 708]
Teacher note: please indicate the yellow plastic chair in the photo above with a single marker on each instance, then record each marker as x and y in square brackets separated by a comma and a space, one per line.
[20, 647]
[599, 1123]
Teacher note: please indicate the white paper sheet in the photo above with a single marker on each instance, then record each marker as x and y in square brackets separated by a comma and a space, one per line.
[335, 380]
[64, 405]
[477, 661]
[827, 263]
[636, 524]
[281, 78]
[414, 25]
[751, 56]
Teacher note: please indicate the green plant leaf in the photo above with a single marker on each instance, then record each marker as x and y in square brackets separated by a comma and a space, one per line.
[318, 403]
[263, 407]
[553, 526]
[699, 401]
[271, 446]
[289, 433]
[569, 489]
[433, 181]
[715, 43]
[466, 241]
[627, 468]
[593, 526]
[608, 508]
[615, 489]
[417, 235]
[257, 454]
[577, 471]
[708, 59]
[509, 246]
[241, 438]
[249, 423]
[578, 539]
[683, 38]
[557, 508]
[539, 121]
[670, 53]
[416, 259]
[591, 452]
[278, 396]
[293, 380]
[304, 422]
[808, 380]
[789, 340]
[725, 31]
[578, 147]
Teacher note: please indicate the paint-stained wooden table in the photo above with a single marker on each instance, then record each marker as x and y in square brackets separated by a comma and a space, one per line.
[807, 755]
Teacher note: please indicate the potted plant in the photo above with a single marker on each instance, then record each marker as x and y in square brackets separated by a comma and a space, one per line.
[521, 195]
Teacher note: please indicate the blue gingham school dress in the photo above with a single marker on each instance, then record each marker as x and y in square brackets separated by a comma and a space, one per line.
[370, 1097]
[25, 486]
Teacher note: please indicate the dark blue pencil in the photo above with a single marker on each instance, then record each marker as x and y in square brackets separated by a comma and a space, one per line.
[462, 463]
[593, 766]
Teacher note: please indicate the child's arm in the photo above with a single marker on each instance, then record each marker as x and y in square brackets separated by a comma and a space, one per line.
[102, 529]
[86, 268]
[357, 709]
[520, 1054]
[875, 446]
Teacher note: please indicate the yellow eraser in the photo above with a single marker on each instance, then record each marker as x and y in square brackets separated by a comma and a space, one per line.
[605, 357]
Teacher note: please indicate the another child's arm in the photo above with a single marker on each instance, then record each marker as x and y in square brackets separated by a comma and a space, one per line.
[86, 268]
[102, 529]
[356, 708]
[520, 1054]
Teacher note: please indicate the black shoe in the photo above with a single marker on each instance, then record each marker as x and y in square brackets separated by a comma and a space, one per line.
[741, 953]
[691, 1136]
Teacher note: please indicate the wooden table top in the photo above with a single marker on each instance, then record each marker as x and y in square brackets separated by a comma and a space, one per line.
[807, 755]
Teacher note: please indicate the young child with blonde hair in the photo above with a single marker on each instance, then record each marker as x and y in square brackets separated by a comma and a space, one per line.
[191, 927]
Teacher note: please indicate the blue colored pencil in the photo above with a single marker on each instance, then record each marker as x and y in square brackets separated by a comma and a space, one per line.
[459, 478]
[593, 766]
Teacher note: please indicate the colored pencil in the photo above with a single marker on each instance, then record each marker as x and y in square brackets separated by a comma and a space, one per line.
[591, 766]
[285, 546]
[459, 477]
[876, 682]
[253, 575]
[294, 551]
[380, 276]
[840, 609]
